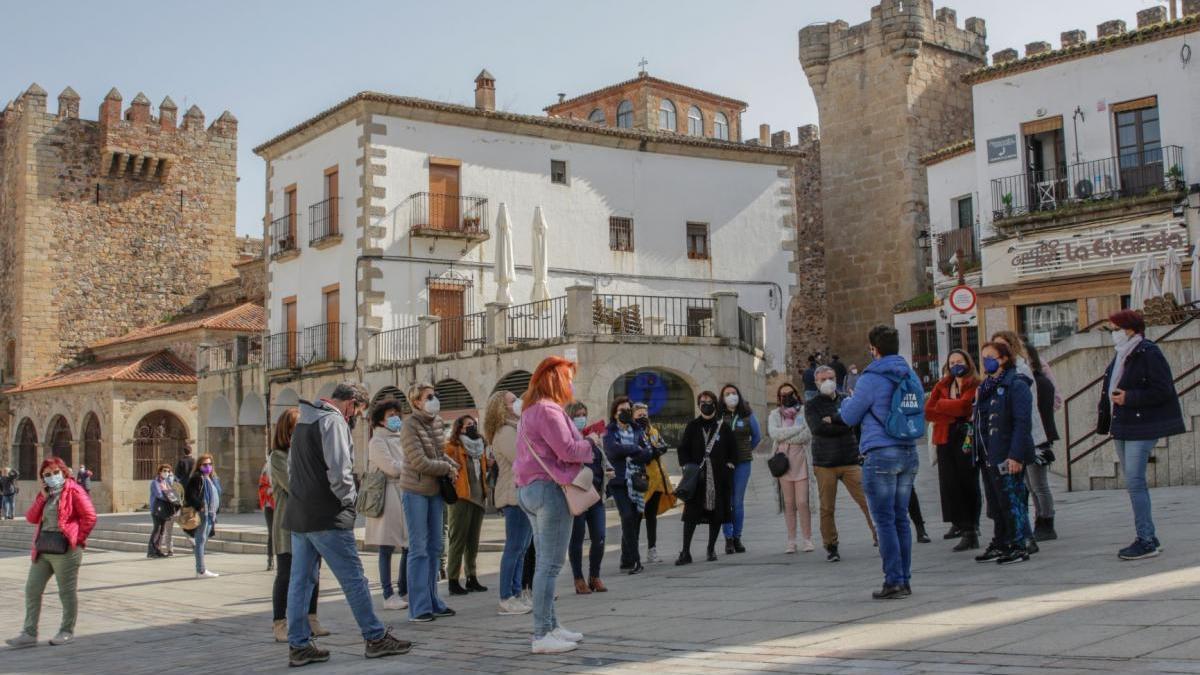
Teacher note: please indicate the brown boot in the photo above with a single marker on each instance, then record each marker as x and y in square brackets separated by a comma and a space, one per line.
[581, 587]
[279, 627]
[315, 626]
[596, 585]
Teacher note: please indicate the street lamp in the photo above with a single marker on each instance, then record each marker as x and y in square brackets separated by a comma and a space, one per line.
[924, 240]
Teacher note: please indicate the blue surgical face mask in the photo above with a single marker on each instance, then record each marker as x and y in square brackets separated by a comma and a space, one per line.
[55, 480]
[580, 422]
[393, 423]
[991, 365]
[958, 370]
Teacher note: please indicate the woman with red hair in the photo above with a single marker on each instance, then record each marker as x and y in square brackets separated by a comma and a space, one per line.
[550, 452]
[1138, 406]
[63, 517]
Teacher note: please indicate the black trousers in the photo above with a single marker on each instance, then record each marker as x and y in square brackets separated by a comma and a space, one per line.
[155, 534]
[652, 520]
[269, 512]
[958, 484]
[689, 531]
[279, 592]
[914, 510]
[528, 567]
[631, 526]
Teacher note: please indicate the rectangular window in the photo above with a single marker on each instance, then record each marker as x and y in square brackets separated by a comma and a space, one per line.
[697, 241]
[331, 199]
[289, 210]
[1045, 324]
[333, 326]
[964, 212]
[558, 171]
[620, 234]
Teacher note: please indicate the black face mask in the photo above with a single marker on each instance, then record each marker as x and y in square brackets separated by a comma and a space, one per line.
[471, 433]
[642, 422]
[708, 409]
[790, 401]
[625, 417]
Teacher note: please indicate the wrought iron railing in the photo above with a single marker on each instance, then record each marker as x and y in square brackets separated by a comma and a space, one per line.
[243, 351]
[1130, 175]
[950, 243]
[536, 320]
[652, 315]
[396, 346]
[459, 333]
[323, 220]
[452, 214]
[321, 343]
[283, 234]
[748, 329]
[281, 350]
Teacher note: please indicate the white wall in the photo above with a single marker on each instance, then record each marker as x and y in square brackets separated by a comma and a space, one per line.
[948, 182]
[1153, 68]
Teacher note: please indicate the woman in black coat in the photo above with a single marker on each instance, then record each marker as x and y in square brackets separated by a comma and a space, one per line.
[1138, 406]
[704, 445]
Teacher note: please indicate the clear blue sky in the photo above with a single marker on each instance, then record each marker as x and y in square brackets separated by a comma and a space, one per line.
[275, 63]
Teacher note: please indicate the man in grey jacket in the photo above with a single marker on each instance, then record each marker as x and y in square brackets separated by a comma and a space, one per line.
[320, 515]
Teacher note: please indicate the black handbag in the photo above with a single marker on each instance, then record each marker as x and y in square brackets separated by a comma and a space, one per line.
[778, 464]
[446, 488]
[52, 542]
[639, 481]
[689, 482]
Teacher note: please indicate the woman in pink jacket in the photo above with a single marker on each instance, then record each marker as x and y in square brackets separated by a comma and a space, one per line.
[64, 517]
[550, 453]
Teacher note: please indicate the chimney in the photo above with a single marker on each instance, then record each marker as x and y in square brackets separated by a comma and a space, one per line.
[485, 91]
[1072, 38]
[1004, 56]
[781, 139]
[1151, 15]
[561, 97]
[764, 135]
[1110, 29]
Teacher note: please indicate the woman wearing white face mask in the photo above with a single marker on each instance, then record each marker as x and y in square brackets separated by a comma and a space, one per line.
[500, 431]
[63, 517]
[740, 422]
[163, 505]
[388, 531]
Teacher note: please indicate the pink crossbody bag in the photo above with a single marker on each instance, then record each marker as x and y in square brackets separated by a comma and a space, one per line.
[580, 493]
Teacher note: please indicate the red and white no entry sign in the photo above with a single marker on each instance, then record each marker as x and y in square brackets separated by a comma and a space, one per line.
[962, 299]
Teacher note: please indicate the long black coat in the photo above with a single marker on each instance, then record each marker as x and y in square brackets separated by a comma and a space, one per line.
[724, 455]
[1151, 409]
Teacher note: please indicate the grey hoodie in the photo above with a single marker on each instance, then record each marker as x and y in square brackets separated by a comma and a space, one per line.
[320, 469]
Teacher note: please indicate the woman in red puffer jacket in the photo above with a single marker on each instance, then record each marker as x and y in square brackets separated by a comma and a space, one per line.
[64, 517]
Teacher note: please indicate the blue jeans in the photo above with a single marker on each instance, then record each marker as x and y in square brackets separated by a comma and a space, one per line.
[593, 521]
[385, 571]
[338, 549]
[518, 532]
[1134, 455]
[6, 506]
[741, 478]
[546, 506]
[200, 538]
[423, 515]
[887, 476]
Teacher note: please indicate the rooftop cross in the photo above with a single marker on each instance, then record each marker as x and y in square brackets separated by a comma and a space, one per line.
[642, 65]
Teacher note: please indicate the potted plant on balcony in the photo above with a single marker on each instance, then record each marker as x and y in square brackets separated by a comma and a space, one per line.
[1007, 200]
[1174, 177]
[471, 223]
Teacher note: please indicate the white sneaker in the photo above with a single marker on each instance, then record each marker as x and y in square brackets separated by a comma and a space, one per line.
[513, 607]
[652, 555]
[207, 574]
[62, 638]
[22, 640]
[791, 547]
[394, 602]
[549, 644]
[527, 598]
[567, 635]
[808, 546]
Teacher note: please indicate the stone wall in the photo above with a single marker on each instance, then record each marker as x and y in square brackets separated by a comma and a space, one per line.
[888, 91]
[109, 225]
[808, 327]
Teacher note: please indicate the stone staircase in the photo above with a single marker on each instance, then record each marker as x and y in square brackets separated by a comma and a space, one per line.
[119, 534]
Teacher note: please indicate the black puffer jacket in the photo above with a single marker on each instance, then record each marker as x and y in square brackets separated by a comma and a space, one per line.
[833, 443]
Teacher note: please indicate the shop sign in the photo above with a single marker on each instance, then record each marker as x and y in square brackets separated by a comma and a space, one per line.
[1119, 246]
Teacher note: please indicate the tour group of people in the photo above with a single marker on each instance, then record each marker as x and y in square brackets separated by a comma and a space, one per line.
[543, 462]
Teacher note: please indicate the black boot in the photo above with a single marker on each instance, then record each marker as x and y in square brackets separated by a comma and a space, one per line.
[954, 533]
[456, 588]
[922, 536]
[737, 545]
[685, 558]
[969, 542]
[712, 554]
[474, 586]
[1043, 530]
[729, 546]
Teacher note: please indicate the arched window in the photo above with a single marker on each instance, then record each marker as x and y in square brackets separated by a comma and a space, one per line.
[26, 446]
[393, 394]
[159, 438]
[625, 115]
[596, 116]
[720, 127]
[454, 395]
[60, 440]
[695, 122]
[670, 399]
[517, 382]
[91, 446]
[666, 115]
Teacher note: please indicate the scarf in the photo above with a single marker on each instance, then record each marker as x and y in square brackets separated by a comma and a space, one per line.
[1123, 353]
[474, 447]
[211, 496]
[710, 486]
[788, 417]
[629, 437]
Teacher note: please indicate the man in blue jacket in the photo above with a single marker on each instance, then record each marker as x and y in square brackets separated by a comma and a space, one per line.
[889, 463]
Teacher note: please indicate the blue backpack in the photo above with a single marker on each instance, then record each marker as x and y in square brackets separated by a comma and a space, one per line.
[906, 415]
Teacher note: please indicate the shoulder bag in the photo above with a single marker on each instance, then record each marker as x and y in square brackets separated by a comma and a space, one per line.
[778, 464]
[690, 481]
[580, 492]
[373, 496]
[51, 542]
[189, 519]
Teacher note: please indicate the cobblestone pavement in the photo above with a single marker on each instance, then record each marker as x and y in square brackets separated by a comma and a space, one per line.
[1074, 608]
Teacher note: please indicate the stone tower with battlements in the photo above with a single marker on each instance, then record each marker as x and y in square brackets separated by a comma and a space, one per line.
[888, 91]
[106, 225]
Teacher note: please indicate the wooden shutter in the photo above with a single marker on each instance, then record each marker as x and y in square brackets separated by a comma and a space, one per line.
[331, 197]
[333, 325]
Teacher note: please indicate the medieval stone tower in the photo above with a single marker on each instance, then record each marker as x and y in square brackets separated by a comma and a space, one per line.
[888, 91]
[106, 225]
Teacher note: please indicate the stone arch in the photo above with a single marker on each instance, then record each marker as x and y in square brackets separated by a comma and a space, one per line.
[176, 408]
[286, 398]
[392, 393]
[159, 438]
[253, 411]
[454, 395]
[669, 396]
[59, 440]
[220, 414]
[25, 442]
[684, 369]
[93, 445]
[516, 381]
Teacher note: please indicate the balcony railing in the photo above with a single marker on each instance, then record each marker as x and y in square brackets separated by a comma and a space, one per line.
[281, 350]
[951, 243]
[748, 328]
[435, 214]
[459, 333]
[536, 320]
[321, 343]
[652, 315]
[1129, 175]
[323, 220]
[243, 351]
[283, 234]
[395, 346]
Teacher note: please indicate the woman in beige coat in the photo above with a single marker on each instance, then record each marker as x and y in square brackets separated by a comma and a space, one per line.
[388, 531]
[500, 432]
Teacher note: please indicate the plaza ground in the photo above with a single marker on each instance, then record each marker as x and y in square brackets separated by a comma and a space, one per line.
[1074, 608]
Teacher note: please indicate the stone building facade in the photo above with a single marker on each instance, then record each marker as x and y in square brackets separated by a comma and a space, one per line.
[888, 91]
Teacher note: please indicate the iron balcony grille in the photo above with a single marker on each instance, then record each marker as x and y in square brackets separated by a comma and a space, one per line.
[459, 333]
[950, 243]
[242, 351]
[747, 329]
[283, 234]
[452, 214]
[321, 343]
[323, 220]
[652, 315]
[1130, 175]
[281, 350]
[534, 321]
[396, 346]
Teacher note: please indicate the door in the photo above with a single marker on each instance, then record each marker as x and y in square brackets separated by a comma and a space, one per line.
[333, 326]
[443, 196]
[447, 303]
[289, 327]
[1045, 163]
[1139, 148]
[291, 215]
[331, 199]
[924, 352]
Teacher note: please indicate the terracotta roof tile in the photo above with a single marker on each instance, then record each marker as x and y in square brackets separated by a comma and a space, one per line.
[159, 367]
[954, 150]
[246, 317]
[649, 80]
